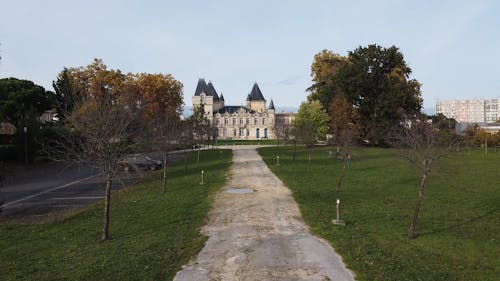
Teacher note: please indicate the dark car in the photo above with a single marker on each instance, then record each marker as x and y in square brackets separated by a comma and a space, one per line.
[139, 162]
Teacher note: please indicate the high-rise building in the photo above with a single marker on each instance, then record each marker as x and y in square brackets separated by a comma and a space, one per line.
[471, 111]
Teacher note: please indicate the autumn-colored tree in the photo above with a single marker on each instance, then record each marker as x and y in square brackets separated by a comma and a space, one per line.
[345, 126]
[160, 95]
[324, 68]
[102, 126]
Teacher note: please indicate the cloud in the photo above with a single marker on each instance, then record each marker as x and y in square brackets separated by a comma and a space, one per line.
[290, 80]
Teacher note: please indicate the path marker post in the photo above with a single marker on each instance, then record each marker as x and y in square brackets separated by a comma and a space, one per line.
[338, 221]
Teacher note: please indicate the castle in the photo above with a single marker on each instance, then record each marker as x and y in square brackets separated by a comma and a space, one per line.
[251, 122]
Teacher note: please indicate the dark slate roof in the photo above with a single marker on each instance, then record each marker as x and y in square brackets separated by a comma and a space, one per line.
[233, 108]
[212, 91]
[202, 87]
[221, 96]
[255, 94]
[271, 105]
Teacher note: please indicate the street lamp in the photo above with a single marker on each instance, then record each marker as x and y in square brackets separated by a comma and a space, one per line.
[25, 129]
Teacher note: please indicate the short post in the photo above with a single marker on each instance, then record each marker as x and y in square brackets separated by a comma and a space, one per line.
[338, 221]
[25, 129]
[202, 177]
[277, 160]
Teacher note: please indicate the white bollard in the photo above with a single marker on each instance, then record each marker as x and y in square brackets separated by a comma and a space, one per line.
[338, 221]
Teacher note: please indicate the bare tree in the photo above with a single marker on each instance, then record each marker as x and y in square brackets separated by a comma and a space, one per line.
[419, 143]
[282, 132]
[161, 135]
[305, 134]
[98, 134]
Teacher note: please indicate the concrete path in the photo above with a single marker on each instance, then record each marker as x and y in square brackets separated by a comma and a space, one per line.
[260, 235]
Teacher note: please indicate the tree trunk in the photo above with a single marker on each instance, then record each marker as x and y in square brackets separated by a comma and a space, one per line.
[294, 149]
[165, 173]
[341, 179]
[411, 230]
[185, 161]
[107, 202]
[309, 159]
[346, 155]
[198, 161]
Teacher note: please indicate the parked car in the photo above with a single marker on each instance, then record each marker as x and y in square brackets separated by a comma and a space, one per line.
[139, 162]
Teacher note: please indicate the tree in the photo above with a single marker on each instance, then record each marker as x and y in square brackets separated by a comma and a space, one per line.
[344, 124]
[102, 126]
[419, 141]
[311, 124]
[22, 103]
[159, 94]
[325, 66]
[377, 81]
[200, 123]
[282, 132]
[106, 131]
[65, 95]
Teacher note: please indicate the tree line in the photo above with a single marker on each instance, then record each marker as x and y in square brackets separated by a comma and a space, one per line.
[102, 115]
[369, 97]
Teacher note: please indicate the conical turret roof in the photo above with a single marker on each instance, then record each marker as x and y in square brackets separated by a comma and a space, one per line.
[201, 87]
[271, 105]
[255, 94]
[212, 91]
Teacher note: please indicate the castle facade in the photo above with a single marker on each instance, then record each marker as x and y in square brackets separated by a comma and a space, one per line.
[254, 121]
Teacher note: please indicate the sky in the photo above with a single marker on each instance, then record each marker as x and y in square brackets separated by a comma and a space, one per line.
[453, 47]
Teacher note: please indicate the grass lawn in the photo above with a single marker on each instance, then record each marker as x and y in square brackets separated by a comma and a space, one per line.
[459, 225]
[152, 233]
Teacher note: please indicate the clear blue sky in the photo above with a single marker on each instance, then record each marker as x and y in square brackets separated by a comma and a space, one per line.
[453, 47]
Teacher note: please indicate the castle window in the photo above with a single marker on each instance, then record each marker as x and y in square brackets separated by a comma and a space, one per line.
[263, 121]
[242, 132]
[226, 121]
[241, 121]
[218, 122]
[234, 124]
[248, 121]
[256, 121]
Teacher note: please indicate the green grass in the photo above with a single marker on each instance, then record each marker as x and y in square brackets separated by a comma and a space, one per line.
[152, 233]
[459, 225]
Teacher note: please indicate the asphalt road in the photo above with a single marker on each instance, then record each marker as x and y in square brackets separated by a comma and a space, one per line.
[49, 190]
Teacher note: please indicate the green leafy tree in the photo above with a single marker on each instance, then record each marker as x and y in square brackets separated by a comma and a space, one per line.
[376, 80]
[311, 124]
[21, 104]
[65, 95]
